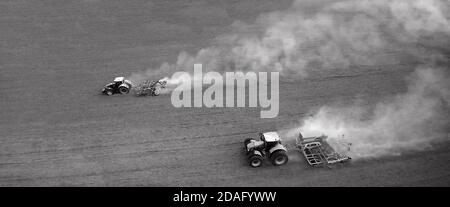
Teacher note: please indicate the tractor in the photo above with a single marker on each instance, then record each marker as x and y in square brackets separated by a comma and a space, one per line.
[119, 86]
[268, 146]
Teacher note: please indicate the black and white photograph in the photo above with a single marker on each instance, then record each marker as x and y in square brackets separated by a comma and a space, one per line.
[224, 93]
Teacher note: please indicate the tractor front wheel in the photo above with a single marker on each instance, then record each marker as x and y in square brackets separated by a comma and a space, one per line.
[255, 160]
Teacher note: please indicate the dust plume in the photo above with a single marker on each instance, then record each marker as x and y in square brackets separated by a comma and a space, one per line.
[315, 36]
[323, 37]
[410, 121]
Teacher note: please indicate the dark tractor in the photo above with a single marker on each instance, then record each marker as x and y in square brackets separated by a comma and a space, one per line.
[119, 86]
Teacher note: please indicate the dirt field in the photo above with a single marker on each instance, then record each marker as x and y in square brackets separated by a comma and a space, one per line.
[57, 130]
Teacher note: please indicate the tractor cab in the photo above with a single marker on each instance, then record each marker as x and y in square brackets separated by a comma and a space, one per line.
[119, 79]
[270, 137]
[122, 80]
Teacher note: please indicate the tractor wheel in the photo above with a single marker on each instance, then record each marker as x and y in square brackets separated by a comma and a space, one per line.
[255, 160]
[123, 90]
[279, 157]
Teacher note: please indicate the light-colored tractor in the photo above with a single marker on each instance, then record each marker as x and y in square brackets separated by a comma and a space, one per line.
[268, 146]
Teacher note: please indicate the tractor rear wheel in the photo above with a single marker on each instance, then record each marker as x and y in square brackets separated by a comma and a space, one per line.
[123, 90]
[255, 160]
[279, 157]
